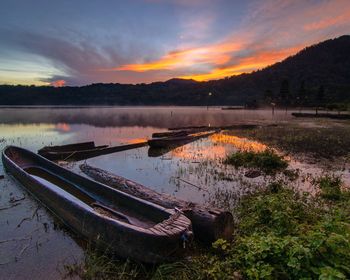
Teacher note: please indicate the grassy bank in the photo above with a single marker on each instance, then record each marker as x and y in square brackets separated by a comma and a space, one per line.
[314, 141]
[281, 234]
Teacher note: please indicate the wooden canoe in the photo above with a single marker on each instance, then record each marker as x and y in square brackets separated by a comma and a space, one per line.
[83, 152]
[177, 141]
[71, 147]
[209, 223]
[130, 227]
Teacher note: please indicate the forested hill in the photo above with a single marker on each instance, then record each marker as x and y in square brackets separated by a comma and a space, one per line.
[317, 74]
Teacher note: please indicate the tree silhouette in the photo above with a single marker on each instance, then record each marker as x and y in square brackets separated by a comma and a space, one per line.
[320, 97]
[285, 93]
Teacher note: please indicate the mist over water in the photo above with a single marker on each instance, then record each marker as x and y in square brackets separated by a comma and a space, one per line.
[159, 117]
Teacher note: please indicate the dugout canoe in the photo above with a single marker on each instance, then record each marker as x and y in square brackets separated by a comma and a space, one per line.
[75, 152]
[71, 147]
[209, 223]
[177, 141]
[128, 226]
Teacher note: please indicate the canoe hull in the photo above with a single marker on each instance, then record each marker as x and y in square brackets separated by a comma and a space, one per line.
[74, 155]
[127, 241]
[175, 141]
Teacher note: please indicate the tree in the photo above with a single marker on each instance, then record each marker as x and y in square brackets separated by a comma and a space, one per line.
[285, 93]
[320, 97]
[269, 96]
[301, 95]
[270, 99]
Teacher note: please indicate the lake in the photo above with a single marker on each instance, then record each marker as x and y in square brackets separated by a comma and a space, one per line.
[33, 242]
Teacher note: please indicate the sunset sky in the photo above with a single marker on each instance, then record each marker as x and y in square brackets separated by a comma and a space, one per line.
[82, 42]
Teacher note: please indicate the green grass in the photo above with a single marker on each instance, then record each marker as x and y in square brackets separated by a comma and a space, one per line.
[329, 186]
[267, 161]
[280, 234]
[286, 235]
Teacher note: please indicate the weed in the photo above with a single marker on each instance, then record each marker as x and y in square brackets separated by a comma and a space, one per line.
[329, 186]
[267, 161]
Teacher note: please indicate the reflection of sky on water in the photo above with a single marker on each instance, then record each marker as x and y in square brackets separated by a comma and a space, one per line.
[193, 172]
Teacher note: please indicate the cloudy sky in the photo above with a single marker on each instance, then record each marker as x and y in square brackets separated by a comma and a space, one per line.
[80, 42]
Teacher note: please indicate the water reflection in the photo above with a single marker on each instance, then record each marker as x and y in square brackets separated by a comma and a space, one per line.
[198, 163]
[240, 143]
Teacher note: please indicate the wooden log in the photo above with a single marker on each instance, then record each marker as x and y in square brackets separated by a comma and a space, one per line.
[209, 224]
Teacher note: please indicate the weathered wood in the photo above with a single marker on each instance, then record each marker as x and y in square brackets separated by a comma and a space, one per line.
[209, 224]
[129, 226]
[74, 155]
[70, 147]
[177, 141]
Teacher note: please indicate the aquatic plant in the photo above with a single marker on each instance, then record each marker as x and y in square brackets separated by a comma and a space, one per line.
[267, 161]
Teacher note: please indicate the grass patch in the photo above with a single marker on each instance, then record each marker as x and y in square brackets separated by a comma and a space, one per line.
[329, 186]
[286, 235]
[267, 161]
[318, 142]
[280, 234]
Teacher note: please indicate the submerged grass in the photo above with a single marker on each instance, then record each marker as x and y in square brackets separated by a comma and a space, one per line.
[267, 161]
[280, 234]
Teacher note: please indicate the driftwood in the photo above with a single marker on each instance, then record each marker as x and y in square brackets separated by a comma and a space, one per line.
[209, 224]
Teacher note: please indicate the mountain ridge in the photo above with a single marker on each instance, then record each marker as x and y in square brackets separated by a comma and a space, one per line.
[324, 65]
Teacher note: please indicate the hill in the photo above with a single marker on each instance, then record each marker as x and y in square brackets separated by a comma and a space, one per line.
[317, 74]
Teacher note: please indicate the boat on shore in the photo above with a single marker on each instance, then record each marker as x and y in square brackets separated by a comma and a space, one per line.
[209, 223]
[81, 151]
[128, 226]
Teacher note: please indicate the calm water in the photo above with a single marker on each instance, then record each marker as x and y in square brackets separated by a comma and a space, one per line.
[32, 242]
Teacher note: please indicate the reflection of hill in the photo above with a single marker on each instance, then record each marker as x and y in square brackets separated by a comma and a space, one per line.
[162, 117]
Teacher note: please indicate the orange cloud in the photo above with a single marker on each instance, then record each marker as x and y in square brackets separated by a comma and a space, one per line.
[58, 83]
[247, 64]
[63, 127]
[215, 55]
[328, 22]
[261, 37]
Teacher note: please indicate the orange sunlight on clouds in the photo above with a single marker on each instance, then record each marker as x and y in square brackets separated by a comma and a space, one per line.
[58, 83]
